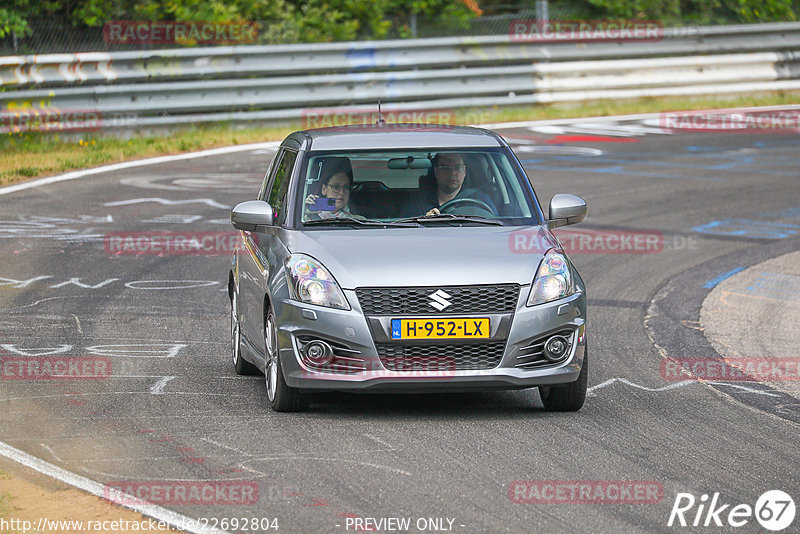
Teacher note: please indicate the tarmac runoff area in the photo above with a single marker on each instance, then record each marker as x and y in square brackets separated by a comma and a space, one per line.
[751, 319]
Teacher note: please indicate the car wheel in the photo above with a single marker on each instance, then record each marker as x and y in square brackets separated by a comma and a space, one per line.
[240, 365]
[281, 397]
[569, 397]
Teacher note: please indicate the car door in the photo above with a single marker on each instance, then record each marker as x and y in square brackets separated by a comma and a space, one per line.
[260, 246]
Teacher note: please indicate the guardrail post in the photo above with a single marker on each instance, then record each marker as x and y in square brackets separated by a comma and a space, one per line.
[542, 12]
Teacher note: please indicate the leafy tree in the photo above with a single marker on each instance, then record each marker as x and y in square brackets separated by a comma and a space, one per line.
[762, 10]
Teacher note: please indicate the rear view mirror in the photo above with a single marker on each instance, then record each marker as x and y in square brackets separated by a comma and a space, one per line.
[409, 163]
[566, 209]
[247, 215]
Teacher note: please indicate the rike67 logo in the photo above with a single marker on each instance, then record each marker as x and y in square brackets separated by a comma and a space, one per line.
[774, 510]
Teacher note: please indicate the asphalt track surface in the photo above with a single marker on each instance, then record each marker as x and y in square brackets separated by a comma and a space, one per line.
[173, 409]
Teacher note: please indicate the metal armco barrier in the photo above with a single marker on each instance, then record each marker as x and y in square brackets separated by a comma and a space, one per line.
[281, 82]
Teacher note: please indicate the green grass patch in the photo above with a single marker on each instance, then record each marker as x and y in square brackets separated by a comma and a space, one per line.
[5, 504]
[31, 155]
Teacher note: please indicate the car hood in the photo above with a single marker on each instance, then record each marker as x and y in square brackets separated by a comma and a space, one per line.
[429, 256]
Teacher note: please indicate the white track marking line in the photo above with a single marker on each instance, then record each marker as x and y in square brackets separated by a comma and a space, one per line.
[158, 387]
[133, 164]
[590, 391]
[153, 511]
[51, 451]
[111, 393]
[223, 446]
[325, 459]
[166, 202]
[77, 323]
[380, 441]
[632, 117]
[745, 388]
[635, 385]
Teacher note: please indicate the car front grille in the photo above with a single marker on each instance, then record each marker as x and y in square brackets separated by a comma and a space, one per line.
[531, 354]
[440, 357]
[500, 298]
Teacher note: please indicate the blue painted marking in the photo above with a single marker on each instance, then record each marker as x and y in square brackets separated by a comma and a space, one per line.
[793, 213]
[777, 286]
[395, 328]
[749, 228]
[626, 173]
[609, 170]
[637, 160]
[719, 278]
[362, 58]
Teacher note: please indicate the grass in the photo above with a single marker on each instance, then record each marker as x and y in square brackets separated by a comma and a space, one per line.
[5, 499]
[5, 504]
[30, 155]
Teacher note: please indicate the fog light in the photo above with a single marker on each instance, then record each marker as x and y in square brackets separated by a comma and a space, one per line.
[556, 348]
[318, 352]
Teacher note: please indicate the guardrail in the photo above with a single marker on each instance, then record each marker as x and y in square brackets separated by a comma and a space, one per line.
[281, 82]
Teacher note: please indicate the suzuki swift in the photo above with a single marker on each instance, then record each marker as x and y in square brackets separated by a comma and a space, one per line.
[405, 258]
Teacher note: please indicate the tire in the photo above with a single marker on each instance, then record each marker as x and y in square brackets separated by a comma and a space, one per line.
[568, 397]
[281, 397]
[240, 365]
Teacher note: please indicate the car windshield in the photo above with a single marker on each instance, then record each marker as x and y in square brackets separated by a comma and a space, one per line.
[421, 188]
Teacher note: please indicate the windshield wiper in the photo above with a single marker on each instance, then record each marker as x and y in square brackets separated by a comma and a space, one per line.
[333, 221]
[448, 217]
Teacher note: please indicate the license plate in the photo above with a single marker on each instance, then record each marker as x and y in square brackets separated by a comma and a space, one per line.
[472, 328]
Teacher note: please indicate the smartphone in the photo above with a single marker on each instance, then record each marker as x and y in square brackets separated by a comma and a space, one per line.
[324, 204]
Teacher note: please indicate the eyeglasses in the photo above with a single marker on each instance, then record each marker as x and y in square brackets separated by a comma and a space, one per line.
[336, 188]
[451, 168]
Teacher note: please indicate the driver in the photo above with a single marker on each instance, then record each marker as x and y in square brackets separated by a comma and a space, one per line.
[449, 170]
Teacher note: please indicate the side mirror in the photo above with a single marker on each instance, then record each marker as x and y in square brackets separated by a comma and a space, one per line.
[566, 209]
[247, 215]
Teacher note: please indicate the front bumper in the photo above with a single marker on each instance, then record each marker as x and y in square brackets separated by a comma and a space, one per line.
[351, 329]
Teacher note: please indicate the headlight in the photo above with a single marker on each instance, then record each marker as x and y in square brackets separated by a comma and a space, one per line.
[310, 282]
[553, 279]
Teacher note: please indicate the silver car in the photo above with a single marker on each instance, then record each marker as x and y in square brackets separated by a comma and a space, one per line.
[405, 258]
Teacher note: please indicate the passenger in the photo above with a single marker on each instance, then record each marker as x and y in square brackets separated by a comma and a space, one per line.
[336, 181]
[449, 171]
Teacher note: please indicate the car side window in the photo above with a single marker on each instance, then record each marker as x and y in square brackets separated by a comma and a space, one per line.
[264, 191]
[280, 184]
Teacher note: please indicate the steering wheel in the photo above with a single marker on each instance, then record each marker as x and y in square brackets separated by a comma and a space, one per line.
[477, 205]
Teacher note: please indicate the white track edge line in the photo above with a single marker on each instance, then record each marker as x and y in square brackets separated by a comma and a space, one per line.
[134, 163]
[158, 513]
[632, 117]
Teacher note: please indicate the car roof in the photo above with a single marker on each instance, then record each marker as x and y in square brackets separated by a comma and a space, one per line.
[391, 136]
